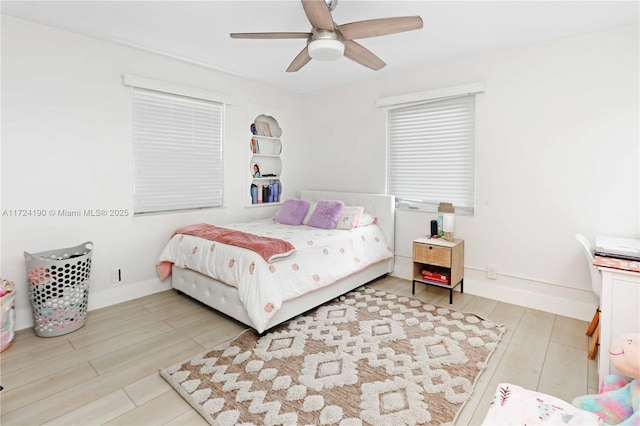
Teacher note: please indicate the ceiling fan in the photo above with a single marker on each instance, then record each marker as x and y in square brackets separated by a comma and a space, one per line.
[328, 41]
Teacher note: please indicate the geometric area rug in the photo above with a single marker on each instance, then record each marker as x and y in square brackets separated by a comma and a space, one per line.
[368, 357]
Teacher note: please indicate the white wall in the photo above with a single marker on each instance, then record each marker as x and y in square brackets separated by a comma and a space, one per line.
[67, 144]
[557, 154]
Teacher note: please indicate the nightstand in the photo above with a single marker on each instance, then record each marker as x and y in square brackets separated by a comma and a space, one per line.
[443, 259]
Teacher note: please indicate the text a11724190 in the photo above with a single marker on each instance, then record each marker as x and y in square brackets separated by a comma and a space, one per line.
[82, 212]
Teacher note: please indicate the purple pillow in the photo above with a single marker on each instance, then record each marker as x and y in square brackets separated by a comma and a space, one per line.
[292, 212]
[326, 214]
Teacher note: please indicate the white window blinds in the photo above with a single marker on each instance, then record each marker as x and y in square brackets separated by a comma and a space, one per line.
[431, 154]
[177, 152]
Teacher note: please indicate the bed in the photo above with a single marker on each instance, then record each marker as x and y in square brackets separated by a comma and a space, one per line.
[244, 302]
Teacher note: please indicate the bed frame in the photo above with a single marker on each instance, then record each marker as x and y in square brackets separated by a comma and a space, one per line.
[224, 298]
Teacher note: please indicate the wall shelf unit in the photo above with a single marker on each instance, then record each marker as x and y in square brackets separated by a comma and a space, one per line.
[265, 164]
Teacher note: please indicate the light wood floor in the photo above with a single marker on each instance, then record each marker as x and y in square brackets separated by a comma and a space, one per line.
[107, 372]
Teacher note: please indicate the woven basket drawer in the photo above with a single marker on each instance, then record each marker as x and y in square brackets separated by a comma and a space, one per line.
[433, 255]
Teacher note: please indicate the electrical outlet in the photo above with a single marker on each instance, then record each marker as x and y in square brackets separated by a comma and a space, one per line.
[115, 276]
[492, 271]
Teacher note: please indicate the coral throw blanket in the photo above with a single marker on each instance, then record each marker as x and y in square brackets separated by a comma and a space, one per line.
[270, 249]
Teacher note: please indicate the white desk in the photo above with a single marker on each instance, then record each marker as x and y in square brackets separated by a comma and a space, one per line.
[620, 311]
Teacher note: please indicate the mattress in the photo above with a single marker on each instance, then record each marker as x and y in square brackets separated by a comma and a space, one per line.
[321, 258]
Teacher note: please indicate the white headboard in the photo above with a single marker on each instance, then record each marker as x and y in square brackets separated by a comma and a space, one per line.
[380, 205]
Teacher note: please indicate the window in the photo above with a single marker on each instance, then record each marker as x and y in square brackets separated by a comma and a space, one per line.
[431, 152]
[177, 151]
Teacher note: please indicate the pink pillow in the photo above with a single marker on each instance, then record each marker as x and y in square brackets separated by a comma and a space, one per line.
[292, 212]
[326, 214]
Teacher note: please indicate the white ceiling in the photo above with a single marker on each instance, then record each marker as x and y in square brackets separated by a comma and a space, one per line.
[198, 31]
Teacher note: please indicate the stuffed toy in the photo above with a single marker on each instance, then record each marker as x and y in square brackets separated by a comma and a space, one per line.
[618, 402]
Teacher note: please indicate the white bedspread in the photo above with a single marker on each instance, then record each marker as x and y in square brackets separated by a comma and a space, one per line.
[322, 257]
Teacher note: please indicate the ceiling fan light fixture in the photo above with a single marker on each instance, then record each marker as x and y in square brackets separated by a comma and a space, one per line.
[326, 50]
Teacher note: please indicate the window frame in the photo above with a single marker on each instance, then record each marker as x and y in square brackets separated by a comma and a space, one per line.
[390, 104]
[191, 108]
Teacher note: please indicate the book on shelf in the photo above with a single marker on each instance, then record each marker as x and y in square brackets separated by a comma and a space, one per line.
[435, 276]
[428, 281]
[255, 146]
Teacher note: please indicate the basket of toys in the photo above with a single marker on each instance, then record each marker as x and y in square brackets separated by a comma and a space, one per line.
[8, 310]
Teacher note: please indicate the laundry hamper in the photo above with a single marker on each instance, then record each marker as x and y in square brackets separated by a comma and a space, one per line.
[59, 289]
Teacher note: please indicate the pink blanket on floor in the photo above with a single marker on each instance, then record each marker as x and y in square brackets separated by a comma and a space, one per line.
[269, 249]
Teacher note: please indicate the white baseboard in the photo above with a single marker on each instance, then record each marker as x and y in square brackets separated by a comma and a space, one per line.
[104, 298]
[558, 300]
[117, 295]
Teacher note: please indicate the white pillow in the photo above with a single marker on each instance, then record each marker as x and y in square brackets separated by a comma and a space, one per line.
[367, 219]
[350, 217]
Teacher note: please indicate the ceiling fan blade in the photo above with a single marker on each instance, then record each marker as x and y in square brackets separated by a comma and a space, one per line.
[270, 35]
[299, 61]
[380, 27]
[362, 55]
[318, 14]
